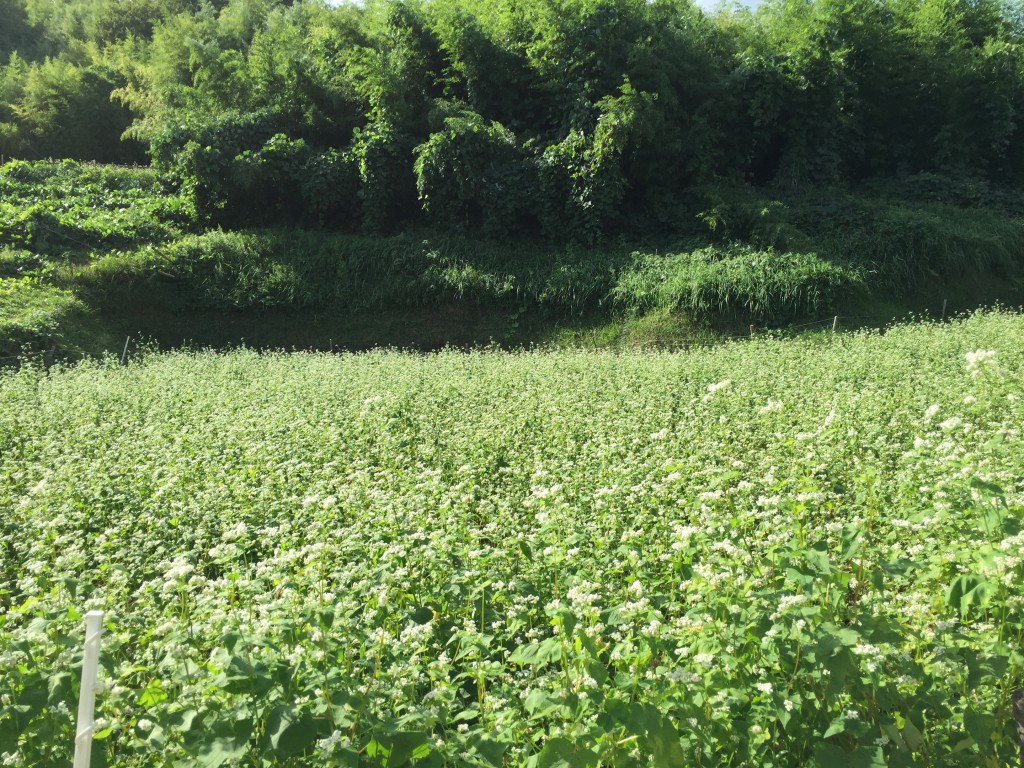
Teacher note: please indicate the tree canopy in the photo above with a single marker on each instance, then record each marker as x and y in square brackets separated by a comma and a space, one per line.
[566, 119]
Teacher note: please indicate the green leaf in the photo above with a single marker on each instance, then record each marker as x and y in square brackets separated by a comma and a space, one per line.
[152, 694]
[229, 740]
[818, 562]
[848, 637]
[404, 746]
[663, 745]
[534, 654]
[912, 735]
[490, 750]
[421, 615]
[968, 591]
[60, 688]
[837, 726]
[980, 726]
[852, 543]
[9, 732]
[375, 749]
[540, 704]
[984, 668]
[831, 756]
[290, 731]
[184, 721]
[991, 489]
[561, 753]
[657, 736]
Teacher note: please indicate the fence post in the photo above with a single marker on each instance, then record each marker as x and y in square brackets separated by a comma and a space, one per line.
[87, 695]
[835, 323]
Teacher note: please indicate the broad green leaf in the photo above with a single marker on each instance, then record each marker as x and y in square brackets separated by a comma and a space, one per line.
[228, 740]
[980, 726]
[542, 652]
[404, 746]
[830, 756]
[837, 726]
[153, 694]
[290, 731]
[967, 592]
[561, 753]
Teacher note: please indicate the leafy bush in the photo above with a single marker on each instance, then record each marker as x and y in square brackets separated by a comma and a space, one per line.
[583, 179]
[212, 161]
[473, 176]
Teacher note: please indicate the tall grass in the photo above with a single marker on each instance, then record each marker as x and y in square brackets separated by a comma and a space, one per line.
[306, 269]
[300, 269]
[906, 245]
[735, 280]
[35, 315]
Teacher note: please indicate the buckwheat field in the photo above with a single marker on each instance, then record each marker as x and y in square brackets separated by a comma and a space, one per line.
[770, 553]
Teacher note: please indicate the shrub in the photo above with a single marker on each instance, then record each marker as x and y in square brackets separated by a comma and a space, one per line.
[473, 175]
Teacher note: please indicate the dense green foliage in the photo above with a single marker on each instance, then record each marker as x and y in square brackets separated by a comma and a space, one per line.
[773, 553]
[65, 208]
[33, 315]
[99, 230]
[570, 120]
[109, 234]
[569, 156]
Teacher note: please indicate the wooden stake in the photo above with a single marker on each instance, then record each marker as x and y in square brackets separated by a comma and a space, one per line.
[125, 352]
[751, 331]
[943, 309]
[87, 695]
[835, 322]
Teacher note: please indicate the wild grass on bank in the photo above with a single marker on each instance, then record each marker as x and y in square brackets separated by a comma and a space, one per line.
[109, 236]
[37, 316]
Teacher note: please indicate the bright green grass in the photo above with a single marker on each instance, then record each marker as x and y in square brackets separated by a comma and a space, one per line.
[32, 313]
[770, 553]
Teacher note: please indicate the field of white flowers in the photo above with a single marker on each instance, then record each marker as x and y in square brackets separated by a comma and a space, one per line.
[771, 553]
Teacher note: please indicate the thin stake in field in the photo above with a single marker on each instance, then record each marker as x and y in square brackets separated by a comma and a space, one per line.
[86, 724]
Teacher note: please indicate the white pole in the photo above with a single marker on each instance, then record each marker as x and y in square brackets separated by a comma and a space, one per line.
[87, 696]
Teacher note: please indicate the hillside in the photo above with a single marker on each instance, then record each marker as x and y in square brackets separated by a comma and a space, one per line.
[525, 166]
[90, 255]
